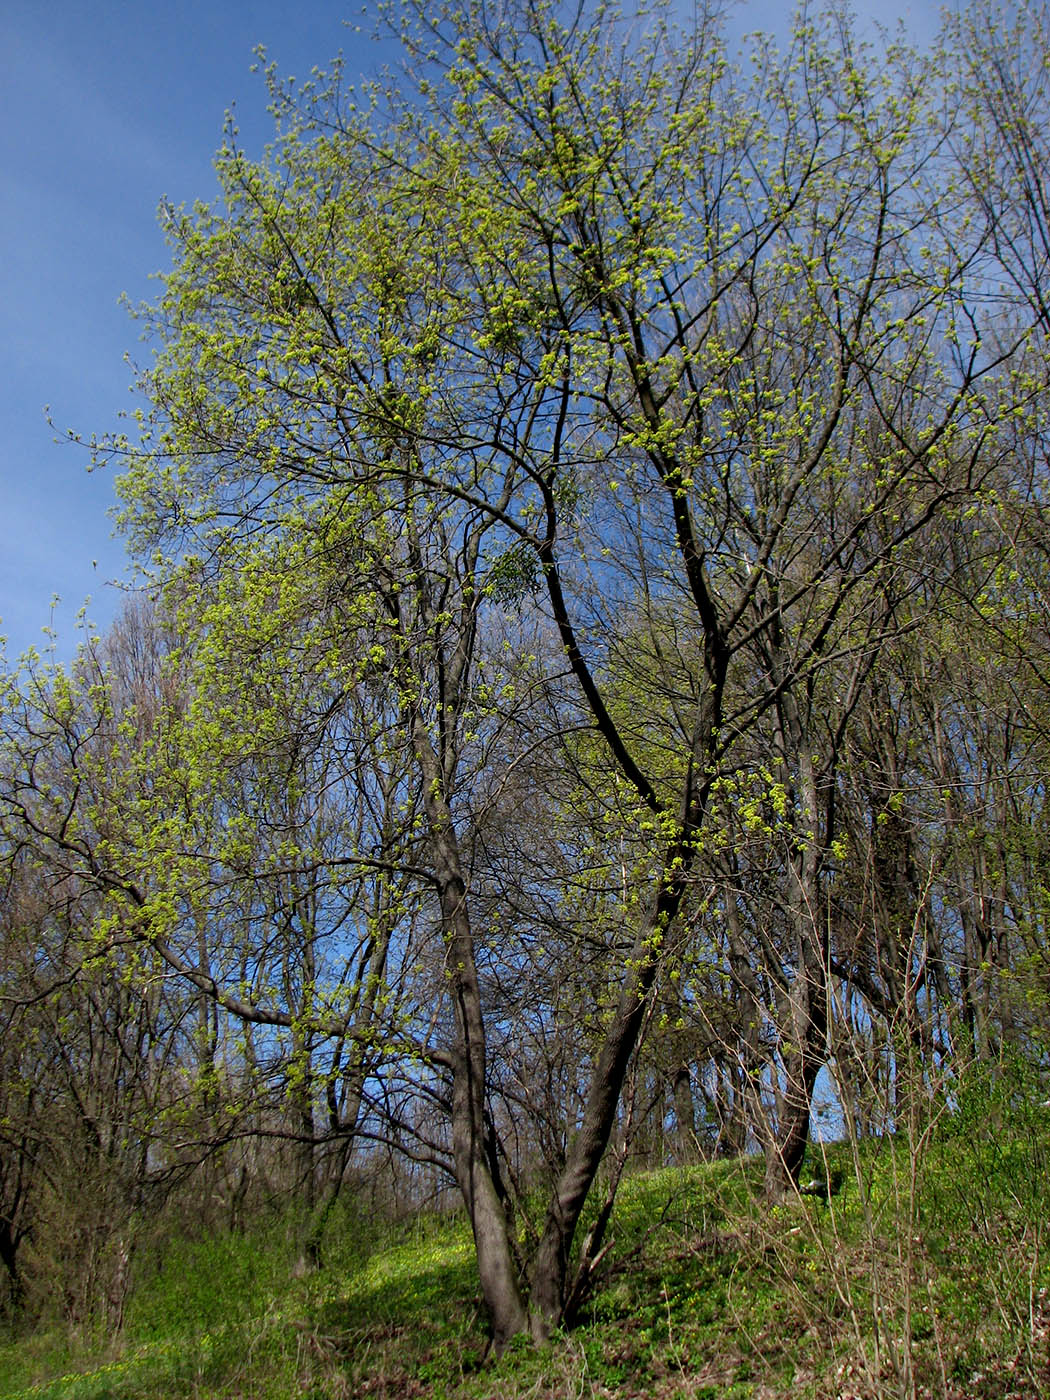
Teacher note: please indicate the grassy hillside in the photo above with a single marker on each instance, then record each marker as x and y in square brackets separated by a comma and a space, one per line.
[924, 1276]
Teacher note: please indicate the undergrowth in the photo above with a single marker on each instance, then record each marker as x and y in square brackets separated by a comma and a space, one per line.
[710, 1294]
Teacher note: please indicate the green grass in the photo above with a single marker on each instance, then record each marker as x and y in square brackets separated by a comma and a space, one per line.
[711, 1295]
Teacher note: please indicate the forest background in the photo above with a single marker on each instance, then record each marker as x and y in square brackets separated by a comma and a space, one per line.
[593, 675]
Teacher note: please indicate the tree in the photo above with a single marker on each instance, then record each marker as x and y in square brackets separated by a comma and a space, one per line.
[168, 827]
[601, 321]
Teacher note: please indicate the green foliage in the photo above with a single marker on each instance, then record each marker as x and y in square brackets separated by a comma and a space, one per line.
[201, 1286]
[568, 485]
[708, 1293]
[985, 1200]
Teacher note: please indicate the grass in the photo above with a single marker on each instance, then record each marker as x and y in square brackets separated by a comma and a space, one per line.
[712, 1296]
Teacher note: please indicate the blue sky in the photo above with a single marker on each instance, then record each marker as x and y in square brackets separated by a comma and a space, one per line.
[107, 107]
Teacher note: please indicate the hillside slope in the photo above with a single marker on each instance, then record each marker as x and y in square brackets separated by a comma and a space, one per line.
[922, 1276]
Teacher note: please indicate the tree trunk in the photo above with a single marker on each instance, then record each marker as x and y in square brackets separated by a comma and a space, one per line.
[497, 1269]
[9, 1242]
[496, 1266]
[804, 1035]
[550, 1263]
[784, 1151]
[685, 1116]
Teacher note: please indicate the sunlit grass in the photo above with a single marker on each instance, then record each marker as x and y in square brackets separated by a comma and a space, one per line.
[710, 1294]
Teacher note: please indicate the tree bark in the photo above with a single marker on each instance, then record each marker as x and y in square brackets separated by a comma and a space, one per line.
[10, 1239]
[550, 1264]
[497, 1270]
[804, 1035]
[685, 1115]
